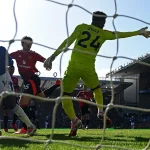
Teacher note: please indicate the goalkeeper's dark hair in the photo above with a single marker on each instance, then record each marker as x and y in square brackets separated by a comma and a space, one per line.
[98, 19]
[27, 38]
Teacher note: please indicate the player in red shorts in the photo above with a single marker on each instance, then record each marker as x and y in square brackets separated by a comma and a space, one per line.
[26, 60]
[85, 107]
[14, 79]
[9, 101]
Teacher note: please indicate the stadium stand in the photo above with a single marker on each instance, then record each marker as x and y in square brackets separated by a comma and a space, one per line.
[45, 109]
[135, 71]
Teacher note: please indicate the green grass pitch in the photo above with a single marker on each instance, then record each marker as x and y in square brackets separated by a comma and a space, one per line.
[129, 139]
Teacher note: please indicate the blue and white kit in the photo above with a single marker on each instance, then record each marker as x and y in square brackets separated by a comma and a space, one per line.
[5, 79]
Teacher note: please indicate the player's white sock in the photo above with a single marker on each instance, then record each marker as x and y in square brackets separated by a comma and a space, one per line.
[22, 116]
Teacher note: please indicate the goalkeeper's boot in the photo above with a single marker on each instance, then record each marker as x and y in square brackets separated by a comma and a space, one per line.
[100, 116]
[31, 130]
[75, 125]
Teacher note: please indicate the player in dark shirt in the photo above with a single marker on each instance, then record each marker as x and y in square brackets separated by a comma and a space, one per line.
[14, 79]
[132, 121]
[33, 114]
[26, 60]
[85, 107]
[16, 88]
[46, 122]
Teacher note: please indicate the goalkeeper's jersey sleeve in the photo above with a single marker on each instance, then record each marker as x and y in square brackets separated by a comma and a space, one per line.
[89, 40]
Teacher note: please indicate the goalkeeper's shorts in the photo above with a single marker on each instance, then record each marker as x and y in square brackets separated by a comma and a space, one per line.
[74, 73]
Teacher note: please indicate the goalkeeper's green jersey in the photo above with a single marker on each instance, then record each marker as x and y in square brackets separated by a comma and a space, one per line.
[89, 38]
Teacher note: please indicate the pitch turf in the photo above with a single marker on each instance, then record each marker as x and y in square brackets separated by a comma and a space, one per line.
[131, 139]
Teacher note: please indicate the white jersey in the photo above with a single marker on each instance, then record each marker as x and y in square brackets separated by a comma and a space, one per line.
[6, 83]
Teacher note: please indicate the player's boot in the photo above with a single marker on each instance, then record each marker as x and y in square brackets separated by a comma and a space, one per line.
[14, 126]
[75, 125]
[31, 130]
[6, 129]
[21, 131]
[100, 116]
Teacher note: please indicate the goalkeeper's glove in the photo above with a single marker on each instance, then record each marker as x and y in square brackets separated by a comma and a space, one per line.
[145, 33]
[48, 62]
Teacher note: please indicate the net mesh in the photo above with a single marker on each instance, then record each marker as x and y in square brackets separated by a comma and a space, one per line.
[58, 100]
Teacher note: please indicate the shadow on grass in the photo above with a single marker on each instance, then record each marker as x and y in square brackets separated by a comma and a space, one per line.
[138, 139]
[66, 137]
[4, 143]
[97, 139]
[125, 138]
[16, 142]
[141, 139]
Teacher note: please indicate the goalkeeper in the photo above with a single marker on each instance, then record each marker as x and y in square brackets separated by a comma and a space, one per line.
[89, 38]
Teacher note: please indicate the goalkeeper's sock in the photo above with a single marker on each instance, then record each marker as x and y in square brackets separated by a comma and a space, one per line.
[98, 96]
[50, 90]
[68, 108]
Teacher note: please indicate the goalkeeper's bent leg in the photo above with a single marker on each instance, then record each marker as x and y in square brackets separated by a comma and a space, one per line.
[68, 107]
[98, 96]
[99, 100]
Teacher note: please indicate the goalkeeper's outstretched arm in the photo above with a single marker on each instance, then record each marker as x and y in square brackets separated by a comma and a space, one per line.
[67, 42]
[112, 36]
[63, 47]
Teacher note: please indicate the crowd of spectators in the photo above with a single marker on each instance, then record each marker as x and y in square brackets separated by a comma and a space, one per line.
[45, 113]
